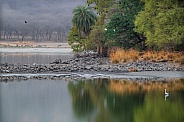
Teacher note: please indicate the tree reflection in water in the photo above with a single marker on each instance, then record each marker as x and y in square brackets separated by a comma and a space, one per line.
[81, 99]
[155, 109]
[104, 100]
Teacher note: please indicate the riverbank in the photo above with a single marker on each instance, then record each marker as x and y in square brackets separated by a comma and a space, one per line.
[88, 63]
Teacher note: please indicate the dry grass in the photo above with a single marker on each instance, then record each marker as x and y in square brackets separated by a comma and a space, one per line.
[181, 60]
[122, 56]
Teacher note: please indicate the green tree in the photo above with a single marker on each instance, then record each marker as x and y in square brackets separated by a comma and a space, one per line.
[97, 34]
[75, 40]
[97, 37]
[162, 22]
[120, 27]
[101, 5]
[83, 19]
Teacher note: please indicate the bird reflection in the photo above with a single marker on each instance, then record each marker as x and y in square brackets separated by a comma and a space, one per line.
[166, 94]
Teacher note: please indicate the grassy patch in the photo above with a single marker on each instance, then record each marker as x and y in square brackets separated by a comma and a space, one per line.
[123, 56]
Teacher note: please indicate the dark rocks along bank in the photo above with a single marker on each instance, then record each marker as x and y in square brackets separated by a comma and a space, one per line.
[88, 63]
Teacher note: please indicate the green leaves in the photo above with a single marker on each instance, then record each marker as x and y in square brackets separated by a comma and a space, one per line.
[75, 40]
[120, 28]
[83, 19]
[100, 5]
[162, 22]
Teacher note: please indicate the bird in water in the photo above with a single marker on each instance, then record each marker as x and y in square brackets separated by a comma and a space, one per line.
[25, 21]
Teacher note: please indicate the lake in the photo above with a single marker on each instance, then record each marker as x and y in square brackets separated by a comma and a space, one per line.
[90, 100]
[34, 55]
[97, 100]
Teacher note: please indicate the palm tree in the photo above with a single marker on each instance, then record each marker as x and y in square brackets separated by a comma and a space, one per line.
[83, 19]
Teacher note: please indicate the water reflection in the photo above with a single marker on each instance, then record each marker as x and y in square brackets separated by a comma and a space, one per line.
[99, 100]
[30, 58]
[101, 103]
[130, 101]
[155, 109]
[35, 101]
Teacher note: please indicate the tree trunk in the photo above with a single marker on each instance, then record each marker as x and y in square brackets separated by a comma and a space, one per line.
[102, 51]
[22, 38]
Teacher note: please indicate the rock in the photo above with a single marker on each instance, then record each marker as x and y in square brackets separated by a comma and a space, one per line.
[88, 67]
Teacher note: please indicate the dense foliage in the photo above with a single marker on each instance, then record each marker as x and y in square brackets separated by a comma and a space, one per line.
[120, 28]
[100, 5]
[75, 40]
[131, 23]
[83, 19]
[162, 22]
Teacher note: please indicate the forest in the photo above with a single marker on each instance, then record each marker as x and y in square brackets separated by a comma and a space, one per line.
[128, 24]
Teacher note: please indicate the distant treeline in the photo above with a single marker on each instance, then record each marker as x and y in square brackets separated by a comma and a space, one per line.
[37, 20]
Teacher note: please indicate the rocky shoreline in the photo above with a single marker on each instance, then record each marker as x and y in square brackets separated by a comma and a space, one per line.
[85, 66]
[88, 63]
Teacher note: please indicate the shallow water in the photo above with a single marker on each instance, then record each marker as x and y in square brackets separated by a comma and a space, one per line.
[31, 57]
[98, 100]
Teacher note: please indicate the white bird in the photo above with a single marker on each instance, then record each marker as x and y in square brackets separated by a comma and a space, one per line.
[166, 93]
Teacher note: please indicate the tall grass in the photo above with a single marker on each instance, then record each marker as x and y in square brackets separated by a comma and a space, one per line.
[121, 56]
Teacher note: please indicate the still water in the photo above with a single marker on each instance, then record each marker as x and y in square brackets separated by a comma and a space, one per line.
[98, 100]
[30, 57]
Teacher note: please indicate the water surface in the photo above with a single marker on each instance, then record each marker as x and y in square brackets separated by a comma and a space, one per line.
[98, 100]
[31, 57]
[34, 55]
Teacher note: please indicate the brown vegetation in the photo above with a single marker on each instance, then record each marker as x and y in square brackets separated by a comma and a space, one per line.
[123, 56]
